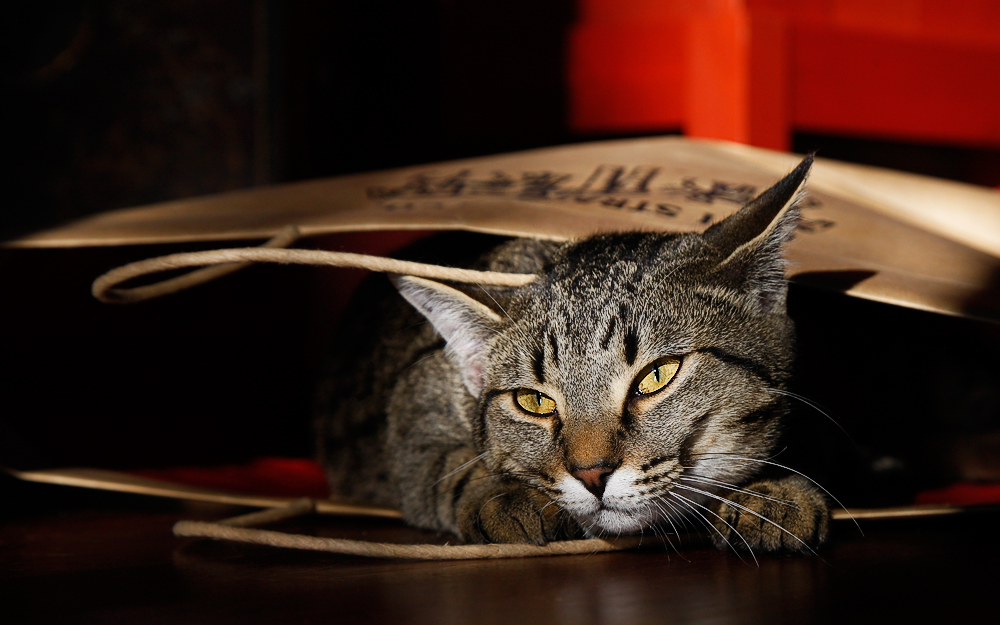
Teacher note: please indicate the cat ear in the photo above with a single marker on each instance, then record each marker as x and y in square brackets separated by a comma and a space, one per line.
[751, 241]
[465, 324]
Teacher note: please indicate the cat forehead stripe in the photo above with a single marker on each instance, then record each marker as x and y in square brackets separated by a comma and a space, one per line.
[610, 332]
[630, 341]
[553, 342]
[538, 361]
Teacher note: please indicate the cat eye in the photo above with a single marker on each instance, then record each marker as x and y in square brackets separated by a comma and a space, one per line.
[657, 376]
[535, 402]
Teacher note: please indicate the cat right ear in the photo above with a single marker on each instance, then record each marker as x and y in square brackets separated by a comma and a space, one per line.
[750, 242]
[465, 324]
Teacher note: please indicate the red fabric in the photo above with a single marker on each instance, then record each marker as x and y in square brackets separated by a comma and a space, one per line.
[962, 494]
[303, 477]
[274, 477]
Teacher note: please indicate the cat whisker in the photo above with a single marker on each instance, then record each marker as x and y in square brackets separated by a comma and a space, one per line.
[496, 332]
[562, 514]
[519, 474]
[548, 491]
[743, 508]
[526, 339]
[545, 490]
[735, 454]
[693, 506]
[589, 530]
[657, 535]
[486, 503]
[416, 324]
[460, 467]
[513, 344]
[800, 474]
[666, 516]
[815, 406]
[681, 517]
[488, 476]
[552, 501]
[646, 304]
[682, 509]
[417, 362]
[713, 482]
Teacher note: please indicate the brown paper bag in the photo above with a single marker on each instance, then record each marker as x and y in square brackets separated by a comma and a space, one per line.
[882, 235]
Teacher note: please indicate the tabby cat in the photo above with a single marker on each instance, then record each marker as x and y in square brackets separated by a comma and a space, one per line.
[636, 385]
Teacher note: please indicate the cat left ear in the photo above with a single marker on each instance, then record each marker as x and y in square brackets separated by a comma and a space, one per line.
[465, 324]
[751, 241]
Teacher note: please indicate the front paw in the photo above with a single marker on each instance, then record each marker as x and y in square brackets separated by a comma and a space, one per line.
[782, 515]
[511, 513]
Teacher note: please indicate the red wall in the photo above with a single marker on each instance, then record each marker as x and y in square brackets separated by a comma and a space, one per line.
[756, 70]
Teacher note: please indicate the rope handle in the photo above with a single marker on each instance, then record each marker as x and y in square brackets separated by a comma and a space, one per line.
[218, 263]
[240, 529]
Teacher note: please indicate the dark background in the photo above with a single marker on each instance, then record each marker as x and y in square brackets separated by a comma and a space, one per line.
[122, 102]
[119, 102]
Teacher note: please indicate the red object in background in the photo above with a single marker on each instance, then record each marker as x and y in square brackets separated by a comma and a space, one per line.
[755, 70]
[962, 494]
[303, 477]
[272, 477]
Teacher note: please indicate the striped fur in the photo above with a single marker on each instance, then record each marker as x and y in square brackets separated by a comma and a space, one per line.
[452, 448]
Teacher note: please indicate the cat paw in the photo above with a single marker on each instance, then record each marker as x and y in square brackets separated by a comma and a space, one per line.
[781, 515]
[513, 515]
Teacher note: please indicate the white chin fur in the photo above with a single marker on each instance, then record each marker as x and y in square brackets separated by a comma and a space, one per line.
[617, 522]
[598, 520]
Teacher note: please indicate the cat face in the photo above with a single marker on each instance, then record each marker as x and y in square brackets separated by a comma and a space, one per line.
[636, 375]
[617, 383]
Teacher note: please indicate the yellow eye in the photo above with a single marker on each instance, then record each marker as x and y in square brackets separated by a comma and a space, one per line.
[657, 376]
[535, 402]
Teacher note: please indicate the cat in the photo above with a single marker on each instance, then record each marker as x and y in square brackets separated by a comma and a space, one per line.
[638, 384]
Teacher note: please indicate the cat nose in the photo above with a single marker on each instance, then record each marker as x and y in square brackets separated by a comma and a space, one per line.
[595, 477]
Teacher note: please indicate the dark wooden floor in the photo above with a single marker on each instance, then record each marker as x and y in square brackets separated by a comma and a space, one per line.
[103, 558]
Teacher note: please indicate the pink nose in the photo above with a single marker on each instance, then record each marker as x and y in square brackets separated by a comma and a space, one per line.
[594, 478]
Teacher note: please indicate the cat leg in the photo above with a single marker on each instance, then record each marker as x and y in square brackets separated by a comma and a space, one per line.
[492, 510]
[789, 514]
[449, 488]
